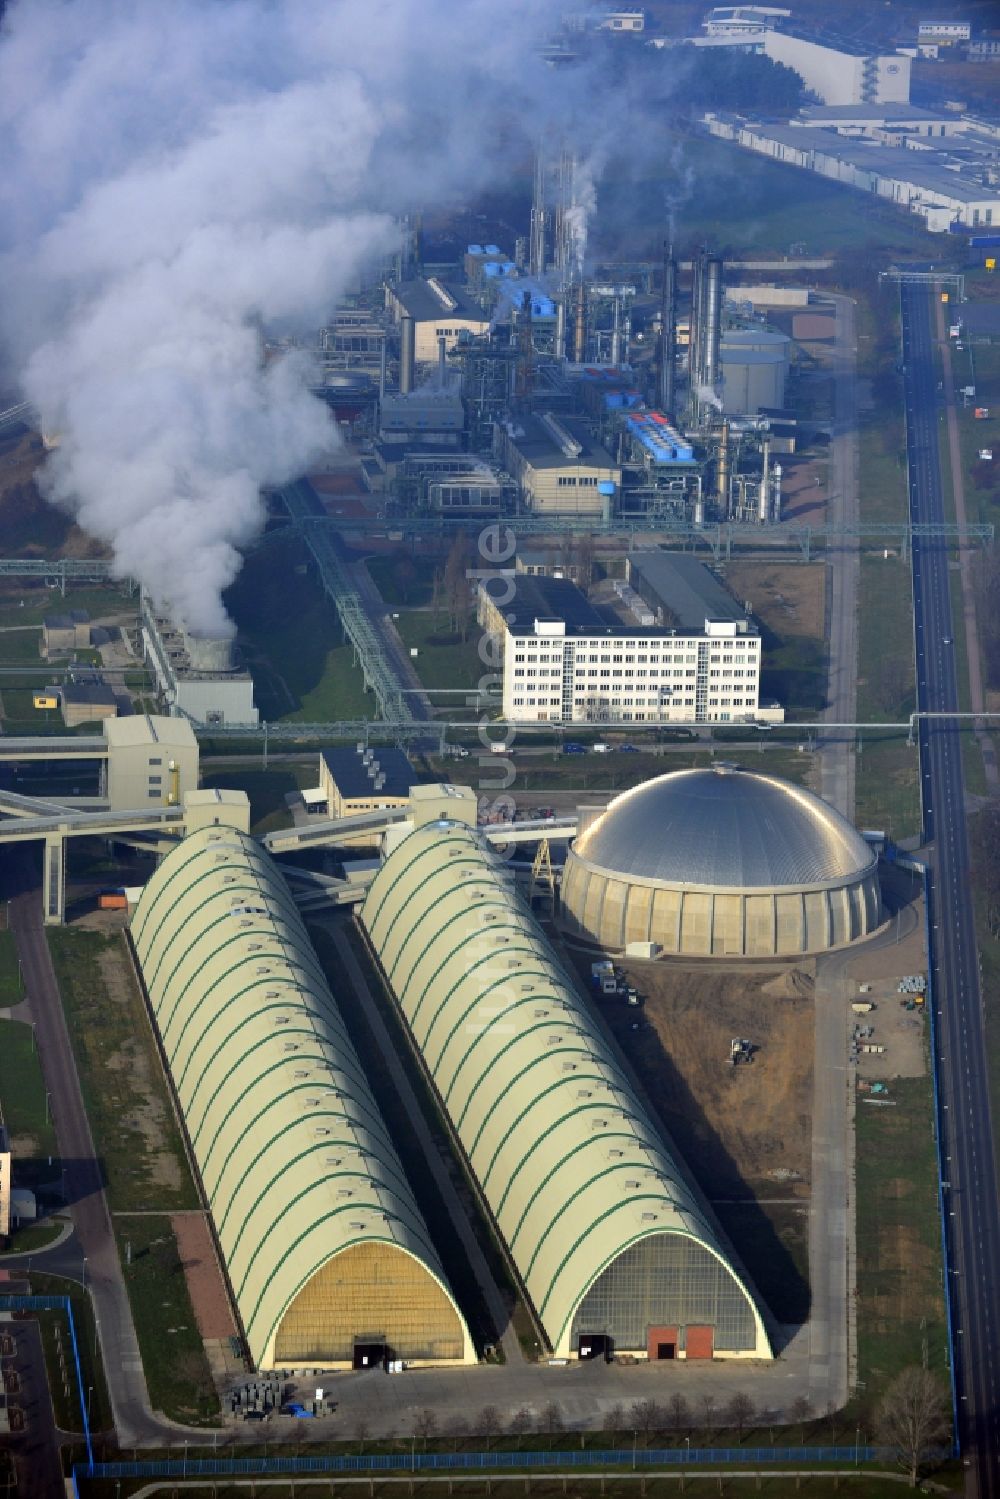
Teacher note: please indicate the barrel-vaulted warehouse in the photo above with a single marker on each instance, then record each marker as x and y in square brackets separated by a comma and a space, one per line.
[609, 1239]
[721, 863]
[327, 1254]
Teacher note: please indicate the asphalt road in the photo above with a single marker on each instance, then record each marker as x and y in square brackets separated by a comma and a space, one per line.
[82, 1173]
[972, 1222]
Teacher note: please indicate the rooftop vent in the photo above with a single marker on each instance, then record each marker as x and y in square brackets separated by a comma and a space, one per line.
[563, 440]
[444, 296]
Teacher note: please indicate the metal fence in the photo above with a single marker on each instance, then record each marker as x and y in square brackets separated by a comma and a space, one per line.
[451, 1462]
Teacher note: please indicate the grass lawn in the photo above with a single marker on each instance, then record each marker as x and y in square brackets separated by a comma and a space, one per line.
[173, 1356]
[21, 646]
[292, 640]
[127, 1102]
[746, 202]
[405, 580]
[22, 1091]
[29, 606]
[11, 988]
[445, 660]
[901, 1316]
[55, 1333]
[887, 793]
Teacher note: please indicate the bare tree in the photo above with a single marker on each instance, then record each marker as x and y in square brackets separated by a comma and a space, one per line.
[913, 1417]
[487, 1424]
[425, 1425]
[584, 560]
[679, 1411]
[361, 1430]
[740, 1412]
[551, 1419]
[708, 1409]
[645, 1416]
[456, 1429]
[520, 1422]
[456, 584]
[802, 1411]
[614, 1419]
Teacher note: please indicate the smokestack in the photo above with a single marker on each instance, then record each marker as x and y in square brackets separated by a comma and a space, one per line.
[722, 473]
[580, 324]
[776, 494]
[696, 336]
[668, 331]
[537, 249]
[560, 340]
[616, 332]
[764, 498]
[712, 322]
[442, 361]
[407, 353]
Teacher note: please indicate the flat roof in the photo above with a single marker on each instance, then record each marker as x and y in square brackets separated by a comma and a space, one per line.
[425, 306]
[537, 445]
[688, 589]
[350, 773]
[145, 728]
[553, 598]
[833, 113]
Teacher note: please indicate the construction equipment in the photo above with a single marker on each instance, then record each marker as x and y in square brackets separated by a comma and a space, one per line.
[740, 1050]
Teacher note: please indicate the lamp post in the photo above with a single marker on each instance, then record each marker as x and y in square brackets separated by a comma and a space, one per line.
[633, 1450]
[90, 1391]
[84, 1272]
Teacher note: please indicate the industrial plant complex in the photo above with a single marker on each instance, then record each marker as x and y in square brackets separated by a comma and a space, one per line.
[489, 957]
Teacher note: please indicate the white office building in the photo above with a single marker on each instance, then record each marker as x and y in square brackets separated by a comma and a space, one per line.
[563, 662]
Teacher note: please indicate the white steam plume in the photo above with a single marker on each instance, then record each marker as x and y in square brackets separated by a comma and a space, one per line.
[709, 397]
[178, 176]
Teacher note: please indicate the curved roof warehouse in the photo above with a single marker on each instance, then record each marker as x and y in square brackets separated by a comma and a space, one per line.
[323, 1243]
[607, 1235]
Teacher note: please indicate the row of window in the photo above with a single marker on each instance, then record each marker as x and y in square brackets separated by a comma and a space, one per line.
[542, 657]
[628, 672]
[574, 481]
[636, 702]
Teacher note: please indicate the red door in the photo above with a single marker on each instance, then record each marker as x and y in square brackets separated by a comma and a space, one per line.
[700, 1342]
[661, 1342]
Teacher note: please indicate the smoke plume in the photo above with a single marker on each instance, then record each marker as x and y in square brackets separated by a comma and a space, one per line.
[178, 178]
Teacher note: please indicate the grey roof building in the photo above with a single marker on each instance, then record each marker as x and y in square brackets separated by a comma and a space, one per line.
[682, 588]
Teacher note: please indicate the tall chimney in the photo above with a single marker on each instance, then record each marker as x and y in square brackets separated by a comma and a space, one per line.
[580, 324]
[668, 331]
[722, 472]
[407, 353]
[560, 340]
[712, 326]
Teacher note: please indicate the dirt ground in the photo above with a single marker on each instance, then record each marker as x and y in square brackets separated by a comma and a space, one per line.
[739, 1128]
[787, 597]
[204, 1278]
[902, 1032]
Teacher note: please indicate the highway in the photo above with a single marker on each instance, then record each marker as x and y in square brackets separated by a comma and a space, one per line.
[972, 1214]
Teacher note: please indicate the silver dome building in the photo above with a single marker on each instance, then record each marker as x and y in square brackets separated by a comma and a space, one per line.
[721, 863]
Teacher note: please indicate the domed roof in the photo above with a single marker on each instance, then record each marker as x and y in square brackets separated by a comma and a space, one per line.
[724, 828]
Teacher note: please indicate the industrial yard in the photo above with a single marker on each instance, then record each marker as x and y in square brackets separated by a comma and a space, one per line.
[487, 720]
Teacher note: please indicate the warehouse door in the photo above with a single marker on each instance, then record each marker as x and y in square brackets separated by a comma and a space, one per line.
[700, 1342]
[661, 1342]
[594, 1345]
[371, 1356]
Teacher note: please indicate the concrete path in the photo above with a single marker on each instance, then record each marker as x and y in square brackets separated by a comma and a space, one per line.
[99, 1266]
[431, 1153]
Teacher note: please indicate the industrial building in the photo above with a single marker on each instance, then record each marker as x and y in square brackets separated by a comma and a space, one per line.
[435, 309]
[196, 676]
[364, 780]
[563, 662]
[720, 863]
[328, 1258]
[150, 762]
[939, 166]
[558, 467]
[65, 632]
[86, 702]
[611, 1241]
